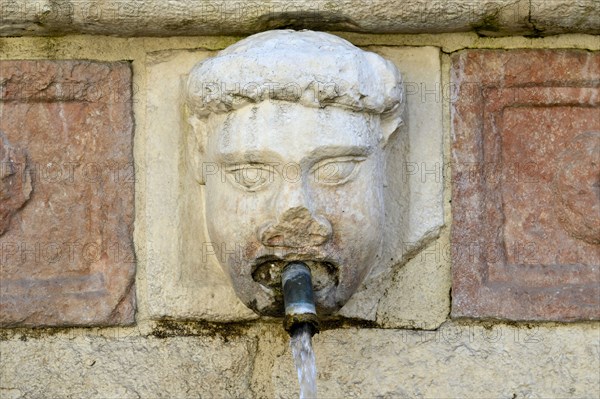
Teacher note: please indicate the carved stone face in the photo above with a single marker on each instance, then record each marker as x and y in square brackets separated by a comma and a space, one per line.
[287, 182]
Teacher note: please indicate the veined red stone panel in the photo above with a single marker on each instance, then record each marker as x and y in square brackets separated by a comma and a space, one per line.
[66, 249]
[526, 185]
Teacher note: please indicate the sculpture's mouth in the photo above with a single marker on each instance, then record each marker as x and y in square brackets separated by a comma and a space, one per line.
[267, 272]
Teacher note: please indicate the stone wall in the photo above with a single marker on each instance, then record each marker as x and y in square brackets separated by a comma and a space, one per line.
[495, 296]
[244, 17]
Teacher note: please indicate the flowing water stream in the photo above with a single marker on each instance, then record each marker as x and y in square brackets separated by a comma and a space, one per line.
[304, 359]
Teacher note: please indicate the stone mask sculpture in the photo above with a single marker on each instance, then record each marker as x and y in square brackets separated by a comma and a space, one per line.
[288, 136]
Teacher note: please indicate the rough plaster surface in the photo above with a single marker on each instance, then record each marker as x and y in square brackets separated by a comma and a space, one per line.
[456, 361]
[125, 367]
[188, 283]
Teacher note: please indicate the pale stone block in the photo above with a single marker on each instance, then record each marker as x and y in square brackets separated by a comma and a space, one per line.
[414, 195]
[125, 367]
[417, 295]
[183, 281]
[183, 276]
[550, 17]
[456, 361]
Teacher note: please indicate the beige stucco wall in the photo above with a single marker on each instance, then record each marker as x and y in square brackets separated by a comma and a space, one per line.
[421, 354]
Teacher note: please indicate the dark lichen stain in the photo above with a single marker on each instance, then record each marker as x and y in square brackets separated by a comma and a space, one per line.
[225, 331]
[334, 324]
[489, 23]
[535, 34]
[27, 333]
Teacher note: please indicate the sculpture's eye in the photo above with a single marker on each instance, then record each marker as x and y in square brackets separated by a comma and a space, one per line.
[250, 177]
[336, 171]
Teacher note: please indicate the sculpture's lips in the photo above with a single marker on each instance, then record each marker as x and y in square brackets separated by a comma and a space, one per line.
[267, 272]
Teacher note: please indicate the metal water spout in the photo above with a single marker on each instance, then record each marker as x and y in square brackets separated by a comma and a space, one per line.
[301, 323]
[298, 299]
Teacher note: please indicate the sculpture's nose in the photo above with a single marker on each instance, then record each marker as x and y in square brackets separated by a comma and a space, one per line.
[296, 226]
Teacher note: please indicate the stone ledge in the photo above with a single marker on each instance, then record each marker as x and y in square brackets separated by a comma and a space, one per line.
[244, 17]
